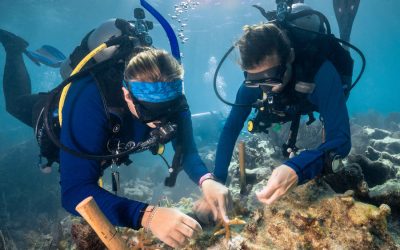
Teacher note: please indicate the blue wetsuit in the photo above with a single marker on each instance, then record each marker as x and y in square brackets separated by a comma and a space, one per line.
[330, 100]
[85, 129]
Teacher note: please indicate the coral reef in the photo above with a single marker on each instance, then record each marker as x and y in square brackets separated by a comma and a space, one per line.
[79, 235]
[85, 238]
[138, 189]
[28, 196]
[315, 216]
[375, 167]
[312, 216]
[259, 165]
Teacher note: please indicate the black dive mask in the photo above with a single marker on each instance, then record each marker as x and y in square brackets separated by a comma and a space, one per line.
[162, 111]
[266, 79]
[157, 101]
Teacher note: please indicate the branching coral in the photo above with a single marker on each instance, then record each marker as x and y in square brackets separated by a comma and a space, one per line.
[226, 227]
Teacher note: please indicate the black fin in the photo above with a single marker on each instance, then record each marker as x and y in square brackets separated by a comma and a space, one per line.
[269, 15]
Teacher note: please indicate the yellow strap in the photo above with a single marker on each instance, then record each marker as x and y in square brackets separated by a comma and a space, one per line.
[161, 149]
[100, 182]
[81, 64]
[250, 126]
[264, 98]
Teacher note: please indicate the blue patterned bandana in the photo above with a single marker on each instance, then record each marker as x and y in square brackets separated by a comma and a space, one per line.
[155, 92]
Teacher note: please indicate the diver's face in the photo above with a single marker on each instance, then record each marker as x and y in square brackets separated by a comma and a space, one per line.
[132, 108]
[271, 64]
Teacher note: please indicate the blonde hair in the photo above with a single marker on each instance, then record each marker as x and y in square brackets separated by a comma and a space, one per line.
[153, 65]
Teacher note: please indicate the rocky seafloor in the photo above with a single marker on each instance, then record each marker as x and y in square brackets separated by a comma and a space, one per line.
[356, 208]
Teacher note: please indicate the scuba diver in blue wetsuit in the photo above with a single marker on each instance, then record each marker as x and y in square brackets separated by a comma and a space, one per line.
[119, 96]
[293, 66]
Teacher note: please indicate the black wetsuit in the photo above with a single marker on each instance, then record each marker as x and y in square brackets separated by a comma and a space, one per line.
[20, 102]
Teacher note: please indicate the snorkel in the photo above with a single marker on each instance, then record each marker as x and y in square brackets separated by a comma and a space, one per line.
[173, 41]
[153, 99]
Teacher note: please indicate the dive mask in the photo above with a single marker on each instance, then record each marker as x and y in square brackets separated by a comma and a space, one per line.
[266, 79]
[156, 101]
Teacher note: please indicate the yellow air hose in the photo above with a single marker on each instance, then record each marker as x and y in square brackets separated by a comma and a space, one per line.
[81, 64]
[64, 92]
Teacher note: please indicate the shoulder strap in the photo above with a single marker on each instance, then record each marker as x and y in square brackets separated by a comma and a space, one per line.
[110, 83]
[312, 54]
[175, 168]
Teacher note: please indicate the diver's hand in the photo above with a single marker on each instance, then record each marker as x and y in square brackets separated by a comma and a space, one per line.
[282, 179]
[171, 226]
[217, 197]
[203, 211]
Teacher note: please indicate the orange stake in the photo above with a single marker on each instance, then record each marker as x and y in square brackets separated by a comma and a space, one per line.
[242, 167]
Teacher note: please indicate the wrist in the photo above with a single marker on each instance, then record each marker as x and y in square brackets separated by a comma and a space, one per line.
[146, 216]
[205, 177]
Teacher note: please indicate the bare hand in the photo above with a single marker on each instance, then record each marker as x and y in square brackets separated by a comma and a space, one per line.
[282, 179]
[218, 199]
[203, 211]
[171, 226]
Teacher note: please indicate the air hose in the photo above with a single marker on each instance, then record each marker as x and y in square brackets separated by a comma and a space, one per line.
[64, 87]
[80, 65]
[359, 52]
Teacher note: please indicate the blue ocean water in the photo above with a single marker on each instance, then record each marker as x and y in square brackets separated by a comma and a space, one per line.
[211, 28]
